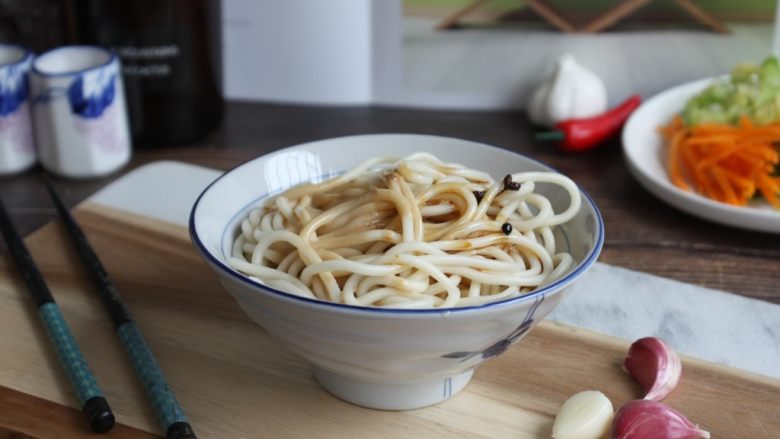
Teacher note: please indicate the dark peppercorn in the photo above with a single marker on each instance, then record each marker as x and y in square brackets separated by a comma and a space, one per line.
[506, 228]
[479, 195]
[510, 185]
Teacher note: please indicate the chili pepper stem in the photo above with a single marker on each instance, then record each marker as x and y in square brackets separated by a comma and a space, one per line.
[550, 136]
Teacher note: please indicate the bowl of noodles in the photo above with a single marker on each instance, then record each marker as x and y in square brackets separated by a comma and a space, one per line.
[396, 264]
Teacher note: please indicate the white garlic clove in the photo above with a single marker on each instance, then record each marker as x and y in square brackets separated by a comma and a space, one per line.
[586, 415]
[643, 419]
[570, 92]
[537, 105]
[655, 366]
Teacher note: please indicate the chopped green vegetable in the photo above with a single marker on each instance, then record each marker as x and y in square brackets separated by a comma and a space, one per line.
[751, 90]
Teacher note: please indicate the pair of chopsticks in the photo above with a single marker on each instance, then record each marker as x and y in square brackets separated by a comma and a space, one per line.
[94, 404]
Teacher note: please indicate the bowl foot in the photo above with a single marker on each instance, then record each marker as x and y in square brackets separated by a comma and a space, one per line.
[392, 395]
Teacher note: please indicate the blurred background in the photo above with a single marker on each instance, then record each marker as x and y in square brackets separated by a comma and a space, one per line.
[489, 59]
[503, 47]
[447, 54]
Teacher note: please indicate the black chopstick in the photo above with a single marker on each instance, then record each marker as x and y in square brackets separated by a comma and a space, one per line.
[167, 408]
[91, 398]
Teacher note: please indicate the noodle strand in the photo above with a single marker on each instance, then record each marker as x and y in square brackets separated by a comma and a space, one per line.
[409, 233]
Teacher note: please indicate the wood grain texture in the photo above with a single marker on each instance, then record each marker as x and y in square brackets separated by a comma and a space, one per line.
[235, 381]
[25, 416]
[642, 232]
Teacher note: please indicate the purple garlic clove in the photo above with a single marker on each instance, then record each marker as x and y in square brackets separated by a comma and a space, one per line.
[655, 366]
[643, 419]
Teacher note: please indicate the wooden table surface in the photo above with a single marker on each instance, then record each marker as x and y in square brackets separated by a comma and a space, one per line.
[642, 233]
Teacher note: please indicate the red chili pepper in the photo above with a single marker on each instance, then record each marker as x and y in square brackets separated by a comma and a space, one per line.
[585, 134]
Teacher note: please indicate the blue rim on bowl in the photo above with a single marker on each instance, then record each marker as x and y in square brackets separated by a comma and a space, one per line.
[557, 285]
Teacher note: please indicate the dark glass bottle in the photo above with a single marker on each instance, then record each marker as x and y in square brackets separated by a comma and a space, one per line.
[38, 25]
[168, 63]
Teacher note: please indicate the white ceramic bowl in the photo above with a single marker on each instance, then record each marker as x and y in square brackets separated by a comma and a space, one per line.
[643, 148]
[382, 358]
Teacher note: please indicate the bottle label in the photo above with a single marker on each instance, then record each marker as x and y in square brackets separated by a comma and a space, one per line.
[155, 56]
[150, 61]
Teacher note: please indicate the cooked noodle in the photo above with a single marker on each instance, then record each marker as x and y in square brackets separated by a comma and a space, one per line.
[408, 233]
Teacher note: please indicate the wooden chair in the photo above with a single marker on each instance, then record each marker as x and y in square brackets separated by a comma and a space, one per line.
[600, 23]
[626, 7]
[548, 13]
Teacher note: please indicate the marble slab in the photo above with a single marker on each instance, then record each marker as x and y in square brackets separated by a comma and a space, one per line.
[704, 323]
[701, 322]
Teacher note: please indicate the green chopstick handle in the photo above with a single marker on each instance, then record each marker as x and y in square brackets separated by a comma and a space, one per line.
[167, 408]
[90, 396]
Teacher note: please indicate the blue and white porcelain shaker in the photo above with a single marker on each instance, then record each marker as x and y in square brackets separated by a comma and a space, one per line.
[17, 150]
[79, 111]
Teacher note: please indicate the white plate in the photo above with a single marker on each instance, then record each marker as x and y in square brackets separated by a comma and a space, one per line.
[643, 149]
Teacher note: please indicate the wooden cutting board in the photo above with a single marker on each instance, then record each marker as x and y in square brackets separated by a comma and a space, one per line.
[234, 381]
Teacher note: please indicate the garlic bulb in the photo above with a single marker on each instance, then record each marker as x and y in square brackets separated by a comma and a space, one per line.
[586, 415]
[570, 92]
[643, 419]
[655, 366]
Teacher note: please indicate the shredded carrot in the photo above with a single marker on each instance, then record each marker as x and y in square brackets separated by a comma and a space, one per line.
[728, 163]
[674, 160]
